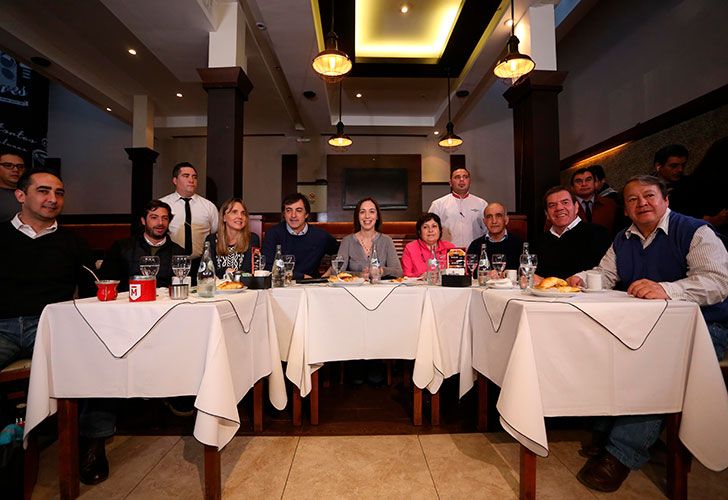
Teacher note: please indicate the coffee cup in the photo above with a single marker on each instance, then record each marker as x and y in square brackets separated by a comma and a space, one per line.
[106, 290]
[594, 281]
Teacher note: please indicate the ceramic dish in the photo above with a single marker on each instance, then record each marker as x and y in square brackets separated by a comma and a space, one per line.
[545, 293]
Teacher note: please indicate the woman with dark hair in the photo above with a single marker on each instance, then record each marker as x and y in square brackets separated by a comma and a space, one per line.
[231, 246]
[418, 252]
[356, 249]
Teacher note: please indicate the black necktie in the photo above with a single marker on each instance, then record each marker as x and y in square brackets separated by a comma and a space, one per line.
[188, 227]
[587, 210]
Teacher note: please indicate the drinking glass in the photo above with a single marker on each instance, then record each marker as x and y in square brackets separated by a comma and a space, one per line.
[261, 263]
[181, 266]
[289, 262]
[472, 261]
[149, 265]
[337, 264]
[527, 270]
[498, 261]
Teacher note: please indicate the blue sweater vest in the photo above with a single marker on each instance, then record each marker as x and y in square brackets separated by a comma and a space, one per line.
[665, 259]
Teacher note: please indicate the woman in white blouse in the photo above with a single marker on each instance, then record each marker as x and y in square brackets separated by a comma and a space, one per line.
[356, 249]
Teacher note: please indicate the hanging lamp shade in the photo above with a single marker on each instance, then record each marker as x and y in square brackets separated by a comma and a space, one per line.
[450, 140]
[514, 65]
[340, 140]
[331, 63]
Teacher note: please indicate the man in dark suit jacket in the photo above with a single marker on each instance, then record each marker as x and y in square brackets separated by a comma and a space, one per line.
[592, 208]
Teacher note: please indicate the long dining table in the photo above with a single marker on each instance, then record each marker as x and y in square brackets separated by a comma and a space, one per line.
[601, 354]
[214, 349]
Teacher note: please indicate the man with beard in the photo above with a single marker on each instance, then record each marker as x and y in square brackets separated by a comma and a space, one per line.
[122, 261]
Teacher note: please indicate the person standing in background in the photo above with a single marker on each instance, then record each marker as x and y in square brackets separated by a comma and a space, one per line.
[12, 166]
[460, 212]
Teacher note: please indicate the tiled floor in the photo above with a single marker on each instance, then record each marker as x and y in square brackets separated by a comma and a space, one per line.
[393, 466]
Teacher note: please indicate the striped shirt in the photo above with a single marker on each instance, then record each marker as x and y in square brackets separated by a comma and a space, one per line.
[706, 281]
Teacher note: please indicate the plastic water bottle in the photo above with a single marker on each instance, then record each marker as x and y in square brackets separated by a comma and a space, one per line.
[206, 274]
[278, 269]
[525, 275]
[483, 266]
[433, 269]
[375, 268]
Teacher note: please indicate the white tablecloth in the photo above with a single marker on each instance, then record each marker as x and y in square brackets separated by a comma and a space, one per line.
[600, 354]
[214, 349]
[317, 324]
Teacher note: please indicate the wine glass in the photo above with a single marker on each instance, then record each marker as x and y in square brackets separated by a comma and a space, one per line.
[181, 266]
[472, 260]
[289, 262]
[337, 264]
[498, 261]
[149, 265]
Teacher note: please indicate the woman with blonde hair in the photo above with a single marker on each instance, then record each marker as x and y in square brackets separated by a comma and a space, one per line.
[231, 247]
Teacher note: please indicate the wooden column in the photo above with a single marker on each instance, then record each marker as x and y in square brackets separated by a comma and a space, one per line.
[227, 90]
[142, 178]
[534, 101]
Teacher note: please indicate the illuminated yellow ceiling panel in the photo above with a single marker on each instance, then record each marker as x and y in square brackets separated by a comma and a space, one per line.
[383, 31]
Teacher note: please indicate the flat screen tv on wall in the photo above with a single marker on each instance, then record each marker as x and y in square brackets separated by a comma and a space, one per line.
[386, 185]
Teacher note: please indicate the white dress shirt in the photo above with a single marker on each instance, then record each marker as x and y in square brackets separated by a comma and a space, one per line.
[706, 281]
[204, 220]
[461, 217]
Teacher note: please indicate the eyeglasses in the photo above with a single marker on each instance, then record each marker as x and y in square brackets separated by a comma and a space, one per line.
[10, 166]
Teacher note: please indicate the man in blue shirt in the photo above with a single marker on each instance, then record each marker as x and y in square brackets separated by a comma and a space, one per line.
[296, 237]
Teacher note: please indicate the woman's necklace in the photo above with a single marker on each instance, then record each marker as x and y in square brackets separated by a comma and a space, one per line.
[366, 243]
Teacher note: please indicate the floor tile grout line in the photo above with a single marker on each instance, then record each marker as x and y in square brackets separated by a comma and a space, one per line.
[424, 455]
[179, 438]
[290, 467]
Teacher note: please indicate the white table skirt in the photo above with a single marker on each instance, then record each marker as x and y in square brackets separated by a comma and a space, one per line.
[317, 324]
[587, 356]
[214, 349]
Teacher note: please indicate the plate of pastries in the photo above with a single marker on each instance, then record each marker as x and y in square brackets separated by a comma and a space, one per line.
[554, 287]
[345, 279]
[230, 287]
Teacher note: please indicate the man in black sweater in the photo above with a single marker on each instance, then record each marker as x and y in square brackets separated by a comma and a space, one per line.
[42, 265]
[571, 244]
[498, 239]
[122, 260]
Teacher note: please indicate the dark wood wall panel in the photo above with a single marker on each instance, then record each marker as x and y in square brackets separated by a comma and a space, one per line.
[336, 164]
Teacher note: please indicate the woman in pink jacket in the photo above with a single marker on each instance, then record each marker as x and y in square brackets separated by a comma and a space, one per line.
[417, 253]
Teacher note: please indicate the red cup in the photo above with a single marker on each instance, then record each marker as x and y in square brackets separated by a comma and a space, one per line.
[106, 290]
[142, 289]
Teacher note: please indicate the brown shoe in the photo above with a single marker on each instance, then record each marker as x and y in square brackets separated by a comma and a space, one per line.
[603, 473]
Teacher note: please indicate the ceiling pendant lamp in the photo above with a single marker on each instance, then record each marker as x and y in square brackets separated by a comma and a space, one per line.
[331, 63]
[340, 141]
[514, 65]
[449, 142]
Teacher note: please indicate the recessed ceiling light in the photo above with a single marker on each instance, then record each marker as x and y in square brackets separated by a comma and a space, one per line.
[436, 132]
[132, 52]
[404, 8]
[358, 94]
[179, 94]
[108, 109]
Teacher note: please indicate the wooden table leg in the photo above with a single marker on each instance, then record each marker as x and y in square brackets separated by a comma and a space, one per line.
[417, 406]
[435, 408]
[314, 398]
[213, 486]
[482, 403]
[678, 460]
[528, 474]
[258, 406]
[30, 466]
[68, 448]
[296, 397]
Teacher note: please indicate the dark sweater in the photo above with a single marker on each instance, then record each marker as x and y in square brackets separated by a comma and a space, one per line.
[122, 260]
[510, 247]
[41, 271]
[309, 248]
[222, 262]
[578, 249]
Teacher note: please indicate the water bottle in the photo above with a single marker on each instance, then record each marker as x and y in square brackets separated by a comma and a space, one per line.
[375, 268]
[279, 271]
[433, 269]
[206, 274]
[525, 276]
[483, 266]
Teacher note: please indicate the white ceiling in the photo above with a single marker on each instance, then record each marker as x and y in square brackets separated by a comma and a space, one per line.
[87, 41]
